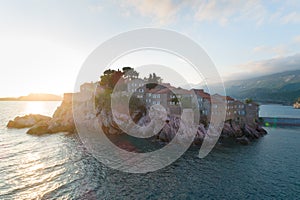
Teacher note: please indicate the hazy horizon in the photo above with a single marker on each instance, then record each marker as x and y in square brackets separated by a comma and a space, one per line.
[191, 85]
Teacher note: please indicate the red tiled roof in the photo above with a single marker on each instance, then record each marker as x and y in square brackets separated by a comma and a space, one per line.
[168, 90]
[182, 91]
[227, 98]
[201, 93]
[164, 91]
[153, 91]
[237, 101]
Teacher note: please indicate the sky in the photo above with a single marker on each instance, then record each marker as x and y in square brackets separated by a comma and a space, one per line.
[44, 43]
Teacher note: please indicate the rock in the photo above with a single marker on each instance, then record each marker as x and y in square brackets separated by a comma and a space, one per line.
[60, 125]
[227, 130]
[113, 131]
[199, 137]
[261, 130]
[27, 121]
[243, 140]
[62, 120]
[251, 132]
[248, 131]
[39, 128]
[237, 130]
[167, 133]
[202, 129]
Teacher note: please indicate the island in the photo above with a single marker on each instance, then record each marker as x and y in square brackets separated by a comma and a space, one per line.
[34, 97]
[94, 101]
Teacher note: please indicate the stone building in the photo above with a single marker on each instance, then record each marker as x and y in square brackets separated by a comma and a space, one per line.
[175, 99]
[204, 102]
[252, 113]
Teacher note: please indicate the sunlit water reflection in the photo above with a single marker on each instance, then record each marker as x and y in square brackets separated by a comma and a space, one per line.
[58, 167]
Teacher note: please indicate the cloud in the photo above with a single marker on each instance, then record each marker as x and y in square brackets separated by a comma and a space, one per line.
[297, 39]
[95, 8]
[277, 51]
[162, 11]
[293, 17]
[264, 67]
[224, 11]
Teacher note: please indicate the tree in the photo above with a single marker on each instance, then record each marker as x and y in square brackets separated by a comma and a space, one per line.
[248, 100]
[110, 78]
[130, 73]
[175, 100]
[153, 80]
[126, 69]
[108, 81]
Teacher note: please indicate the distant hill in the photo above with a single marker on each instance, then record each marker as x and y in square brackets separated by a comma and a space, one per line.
[34, 97]
[283, 88]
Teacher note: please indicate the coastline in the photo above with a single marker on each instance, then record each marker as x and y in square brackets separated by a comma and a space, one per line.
[28, 100]
[62, 121]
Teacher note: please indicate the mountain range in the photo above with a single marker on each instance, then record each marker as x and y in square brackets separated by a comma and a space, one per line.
[34, 97]
[282, 88]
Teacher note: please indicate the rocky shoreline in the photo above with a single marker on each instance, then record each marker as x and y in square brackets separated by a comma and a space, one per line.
[62, 121]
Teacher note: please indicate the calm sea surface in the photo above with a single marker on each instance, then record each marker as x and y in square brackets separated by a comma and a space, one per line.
[59, 167]
[279, 111]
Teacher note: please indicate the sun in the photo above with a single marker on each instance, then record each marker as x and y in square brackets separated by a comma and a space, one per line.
[35, 107]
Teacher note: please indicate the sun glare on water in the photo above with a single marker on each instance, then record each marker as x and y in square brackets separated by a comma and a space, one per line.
[35, 107]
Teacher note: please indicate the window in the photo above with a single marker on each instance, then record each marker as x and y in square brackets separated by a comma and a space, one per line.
[156, 96]
[155, 103]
